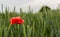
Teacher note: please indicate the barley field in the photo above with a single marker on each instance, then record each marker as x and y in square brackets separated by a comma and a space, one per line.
[44, 23]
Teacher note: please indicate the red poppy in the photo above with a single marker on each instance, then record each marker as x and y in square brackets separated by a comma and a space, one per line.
[16, 20]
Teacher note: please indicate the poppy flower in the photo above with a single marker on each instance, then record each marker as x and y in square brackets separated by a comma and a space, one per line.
[16, 20]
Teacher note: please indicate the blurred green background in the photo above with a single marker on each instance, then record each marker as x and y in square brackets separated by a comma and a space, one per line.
[44, 23]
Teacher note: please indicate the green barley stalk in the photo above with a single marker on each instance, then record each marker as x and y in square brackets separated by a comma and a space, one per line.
[0, 32]
[24, 31]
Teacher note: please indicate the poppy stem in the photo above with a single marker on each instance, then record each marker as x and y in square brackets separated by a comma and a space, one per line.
[9, 27]
[18, 30]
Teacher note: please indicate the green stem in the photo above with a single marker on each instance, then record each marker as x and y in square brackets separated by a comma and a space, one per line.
[0, 32]
[33, 28]
[18, 30]
[24, 31]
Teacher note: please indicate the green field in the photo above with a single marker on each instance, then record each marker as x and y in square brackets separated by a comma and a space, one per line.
[44, 23]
